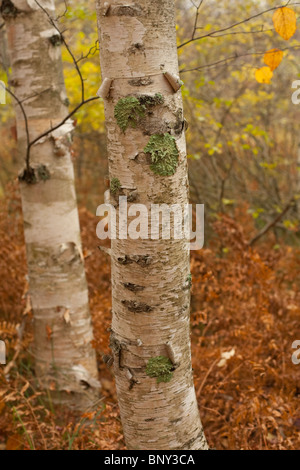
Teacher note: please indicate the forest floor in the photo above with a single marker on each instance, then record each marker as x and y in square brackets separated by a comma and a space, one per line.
[245, 302]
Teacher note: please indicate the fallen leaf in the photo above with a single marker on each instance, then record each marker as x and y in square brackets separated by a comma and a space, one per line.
[225, 356]
[14, 442]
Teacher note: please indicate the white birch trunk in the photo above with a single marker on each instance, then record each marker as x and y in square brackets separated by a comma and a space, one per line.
[64, 357]
[298, 181]
[150, 279]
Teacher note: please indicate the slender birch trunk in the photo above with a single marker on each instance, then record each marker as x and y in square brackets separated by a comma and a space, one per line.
[64, 358]
[150, 335]
[298, 180]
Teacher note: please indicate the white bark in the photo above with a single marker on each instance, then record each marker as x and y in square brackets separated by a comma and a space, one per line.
[151, 298]
[298, 181]
[64, 357]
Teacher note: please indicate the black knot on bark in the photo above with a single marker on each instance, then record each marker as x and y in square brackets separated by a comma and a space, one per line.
[28, 176]
[34, 175]
[8, 9]
[56, 40]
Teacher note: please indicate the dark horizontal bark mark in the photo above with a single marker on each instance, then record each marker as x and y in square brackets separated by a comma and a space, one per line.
[141, 260]
[137, 307]
[142, 81]
[29, 176]
[133, 287]
[126, 10]
[116, 348]
[136, 48]
[189, 443]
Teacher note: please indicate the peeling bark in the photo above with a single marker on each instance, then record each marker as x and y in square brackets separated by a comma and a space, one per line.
[150, 324]
[64, 357]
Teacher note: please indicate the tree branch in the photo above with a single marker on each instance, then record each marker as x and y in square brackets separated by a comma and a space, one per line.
[26, 127]
[273, 223]
[52, 22]
[233, 57]
[222, 30]
[52, 129]
[71, 113]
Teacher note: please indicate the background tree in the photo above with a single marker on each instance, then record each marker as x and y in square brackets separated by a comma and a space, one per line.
[245, 300]
[62, 325]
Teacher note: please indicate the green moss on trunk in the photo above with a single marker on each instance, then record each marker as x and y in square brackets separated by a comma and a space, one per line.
[160, 367]
[164, 154]
[115, 185]
[130, 110]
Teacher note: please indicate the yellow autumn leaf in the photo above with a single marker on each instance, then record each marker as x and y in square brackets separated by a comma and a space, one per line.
[264, 75]
[285, 22]
[273, 58]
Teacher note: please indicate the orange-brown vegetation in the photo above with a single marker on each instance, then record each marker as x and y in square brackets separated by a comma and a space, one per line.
[244, 301]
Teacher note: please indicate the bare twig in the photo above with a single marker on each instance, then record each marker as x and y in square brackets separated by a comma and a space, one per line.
[273, 223]
[63, 121]
[206, 376]
[64, 13]
[227, 28]
[26, 127]
[235, 33]
[92, 51]
[71, 113]
[196, 18]
[52, 22]
[232, 58]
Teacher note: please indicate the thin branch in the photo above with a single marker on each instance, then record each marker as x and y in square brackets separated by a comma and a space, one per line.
[52, 22]
[52, 129]
[64, 13]
[196, 18]
[26, 127]
[213, 33]
[233, 33]
[92, 51]
[233, 57]
[34, 95]
[70, 114]
[273, 223]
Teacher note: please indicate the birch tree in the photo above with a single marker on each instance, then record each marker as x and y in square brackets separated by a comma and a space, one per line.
[298, 181]
[64, 358]
[150, 336]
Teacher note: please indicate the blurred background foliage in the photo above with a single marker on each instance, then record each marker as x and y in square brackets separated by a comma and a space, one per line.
[242, 135]
[243, 144]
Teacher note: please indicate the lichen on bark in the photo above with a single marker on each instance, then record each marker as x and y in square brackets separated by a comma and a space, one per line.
[160, 367]
[115, 185]
[43, 173]
[131, 109]
[128, 111]
[35, 175]
[149, 100]
[164, 154]
[189, 281]
[148, 409]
